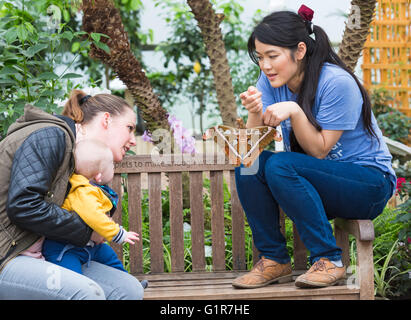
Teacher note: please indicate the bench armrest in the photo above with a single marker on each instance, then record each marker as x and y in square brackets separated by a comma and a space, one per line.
[361, 229]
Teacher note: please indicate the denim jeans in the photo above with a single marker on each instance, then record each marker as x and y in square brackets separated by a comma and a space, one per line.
[76, 258]
[310, 191]
[27, 278]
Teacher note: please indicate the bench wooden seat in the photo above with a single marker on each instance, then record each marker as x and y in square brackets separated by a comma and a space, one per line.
[216, 284]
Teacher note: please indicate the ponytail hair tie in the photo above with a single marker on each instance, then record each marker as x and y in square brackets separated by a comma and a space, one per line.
[307, 15]
[84, 99]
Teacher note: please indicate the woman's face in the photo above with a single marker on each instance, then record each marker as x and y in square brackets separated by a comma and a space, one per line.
[278, 65]
[120, 133]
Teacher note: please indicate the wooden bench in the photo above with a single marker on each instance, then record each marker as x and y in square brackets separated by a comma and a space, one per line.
[201, 283]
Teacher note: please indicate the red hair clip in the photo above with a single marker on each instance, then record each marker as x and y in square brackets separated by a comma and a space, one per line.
[305, 13]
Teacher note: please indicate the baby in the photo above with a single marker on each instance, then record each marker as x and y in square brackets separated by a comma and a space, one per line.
[95, 203]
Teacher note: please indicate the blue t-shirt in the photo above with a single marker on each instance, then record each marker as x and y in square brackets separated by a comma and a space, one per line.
[337, 106]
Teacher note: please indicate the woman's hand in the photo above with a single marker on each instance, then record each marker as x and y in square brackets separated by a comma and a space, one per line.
[278, 112]
[97, 238]
[251, 100]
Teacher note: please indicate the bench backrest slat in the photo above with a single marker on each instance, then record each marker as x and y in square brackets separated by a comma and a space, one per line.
[117, 217]
[217, 220]
[237, 220]
[176, 222]
[135, 220]
[197, 221]
[155, 222]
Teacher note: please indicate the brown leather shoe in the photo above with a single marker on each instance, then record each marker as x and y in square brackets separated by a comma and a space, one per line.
[264, 272]
[323, 273]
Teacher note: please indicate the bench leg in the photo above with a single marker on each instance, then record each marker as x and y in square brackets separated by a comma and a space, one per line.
[365, 269]
[341, 238]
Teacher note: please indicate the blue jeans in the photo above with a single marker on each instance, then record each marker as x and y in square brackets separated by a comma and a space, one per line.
[27, 278]
[73, 258]
[310, 191]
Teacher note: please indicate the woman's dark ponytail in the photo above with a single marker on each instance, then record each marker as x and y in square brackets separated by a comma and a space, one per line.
[287, 29]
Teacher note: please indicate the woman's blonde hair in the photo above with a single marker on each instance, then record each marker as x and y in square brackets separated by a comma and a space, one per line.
[82, 108]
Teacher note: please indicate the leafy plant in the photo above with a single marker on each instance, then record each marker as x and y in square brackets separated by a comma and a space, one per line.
[392, 256]
[395, 125]
[384, 271]
[33, 49]
[403, 172]
[380, 101]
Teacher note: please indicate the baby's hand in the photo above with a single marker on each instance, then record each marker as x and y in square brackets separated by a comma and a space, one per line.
[131, 237]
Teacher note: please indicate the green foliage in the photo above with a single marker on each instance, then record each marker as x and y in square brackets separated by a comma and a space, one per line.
[392, 245]
[380, 100]
[403, 172]
[393, 123]
[392, 256]
[33, 51]
[130, 11]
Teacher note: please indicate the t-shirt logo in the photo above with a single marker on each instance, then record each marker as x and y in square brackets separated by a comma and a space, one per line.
[336, 152]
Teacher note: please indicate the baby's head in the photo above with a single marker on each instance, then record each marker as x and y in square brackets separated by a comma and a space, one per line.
[94, 160]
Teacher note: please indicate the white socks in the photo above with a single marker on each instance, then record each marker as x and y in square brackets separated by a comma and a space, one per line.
[338, 263]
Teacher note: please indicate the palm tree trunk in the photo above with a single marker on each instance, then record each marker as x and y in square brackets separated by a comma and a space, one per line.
[101, 16]
[356, 32]
[209, 23]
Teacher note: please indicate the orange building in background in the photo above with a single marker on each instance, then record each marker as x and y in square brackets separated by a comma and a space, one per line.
[386, 55]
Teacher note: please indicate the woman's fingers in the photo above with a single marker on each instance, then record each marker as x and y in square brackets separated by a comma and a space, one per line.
[252, 90]
[251, 100]
[256, 107]
[270, 118]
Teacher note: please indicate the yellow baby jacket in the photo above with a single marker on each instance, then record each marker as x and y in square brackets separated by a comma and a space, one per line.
[92, 205]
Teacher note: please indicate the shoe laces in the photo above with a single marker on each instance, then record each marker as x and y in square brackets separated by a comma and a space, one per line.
[319, 265]
[259, 265]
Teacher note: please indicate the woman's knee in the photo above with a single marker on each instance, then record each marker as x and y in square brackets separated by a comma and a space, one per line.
[117, 285]
[88, 290]
[280, 164]
[246, 175]
[72, 285]
[128, 288]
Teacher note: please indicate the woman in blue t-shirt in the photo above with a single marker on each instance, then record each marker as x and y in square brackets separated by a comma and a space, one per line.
[336, 162]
